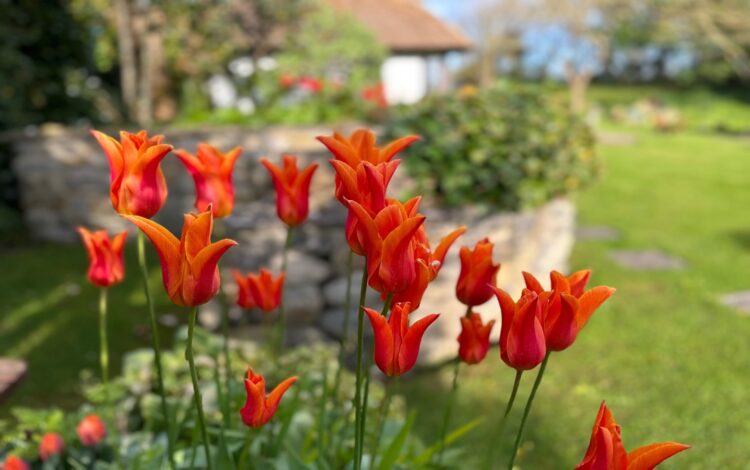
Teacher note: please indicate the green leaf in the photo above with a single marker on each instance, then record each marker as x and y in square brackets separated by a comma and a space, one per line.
[452, 437]
[394, 449]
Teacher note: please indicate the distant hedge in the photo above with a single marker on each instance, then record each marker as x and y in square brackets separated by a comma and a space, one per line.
[502, 147]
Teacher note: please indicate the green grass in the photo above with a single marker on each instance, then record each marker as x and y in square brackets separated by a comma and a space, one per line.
[668, 358]
[50, 319]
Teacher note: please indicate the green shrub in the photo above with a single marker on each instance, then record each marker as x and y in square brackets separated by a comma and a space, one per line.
[502, 147]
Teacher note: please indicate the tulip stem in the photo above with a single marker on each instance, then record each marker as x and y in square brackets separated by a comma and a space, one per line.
[449, 408]
[366, 385]
[155, 342]
[501, 425]
[103, 345]
[358, 387]
[527, 409]
[281, 325]
[219, 230]
[196, 388]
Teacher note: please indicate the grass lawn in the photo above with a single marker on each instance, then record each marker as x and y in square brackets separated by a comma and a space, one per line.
[668, 358]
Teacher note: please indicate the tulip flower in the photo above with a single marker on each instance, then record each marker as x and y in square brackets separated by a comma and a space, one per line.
[292, 189]
[428, 265]
[137, 184]
[106, 267]
[606, 450]
[259, 408]
[389, 241]
[91, 431]
[397, 343]
[474, 339]
[522, 342]
[212, 173]
[189, 265]
[15, 463]
[478, 274]
[566, 308]
[50, 444]
[259, 290]
[360, 147]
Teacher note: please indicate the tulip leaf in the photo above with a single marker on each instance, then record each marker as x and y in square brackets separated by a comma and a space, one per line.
[452, 437]
[394, 449]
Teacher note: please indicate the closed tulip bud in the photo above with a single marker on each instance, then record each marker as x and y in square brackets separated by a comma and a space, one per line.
[478, 274]
[106, 266]
[137, 183]
[50, 444]
[606, 450]
[91, 431]
[292, 189]
[522, 343]
[189, 265]
[212, 173]
[397, 343]
[259, 290]
[259, 408]
[474, 339]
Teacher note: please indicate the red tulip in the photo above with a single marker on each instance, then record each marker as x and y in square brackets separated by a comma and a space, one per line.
[188, 265]
[50, 444]
[607, 452]
[522, 343]
[212, 173]
[397, 343]
[375, 94]
[15, 463]
[566, 308]
[389, 241]
[311, 84]
[259, 408]
[259, 290]
[292, 189]
[360, 147]
[478, 274]
[428, 265]
[106, 267]
[286, 80]
[137, 184]
[474, 340]
[91, 431]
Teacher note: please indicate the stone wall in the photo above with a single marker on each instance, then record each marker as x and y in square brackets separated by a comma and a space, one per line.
[63, 179]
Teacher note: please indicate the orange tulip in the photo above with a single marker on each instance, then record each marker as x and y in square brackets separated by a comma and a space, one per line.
[360, 147]
[607, 452]
[188, 265]
[15, 463]
[522, 343]
[478, 274]
[50, 444]
[389, 241]
[137, 184]
[259, 408]
[259, 290]
[212, 173]
[474, 340]
[292, 189]
[91, 431]
[397, 343]
[566, 308]
[106, 267]
[428, 265]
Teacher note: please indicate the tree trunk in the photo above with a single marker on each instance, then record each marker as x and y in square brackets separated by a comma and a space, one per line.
[578, 84]
[126, 52]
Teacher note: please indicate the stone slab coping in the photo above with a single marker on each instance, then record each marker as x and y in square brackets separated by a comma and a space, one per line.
[12, 371]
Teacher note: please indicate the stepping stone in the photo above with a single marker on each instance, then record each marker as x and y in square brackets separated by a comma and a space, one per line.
[737, 300]
[597, 232]
[12, 371]
[647, 260]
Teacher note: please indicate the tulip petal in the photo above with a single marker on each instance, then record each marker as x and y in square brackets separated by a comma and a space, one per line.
[168, 248]
[409, 351]
[197, 230]
[384, 345]
[526, 343]
[590, 301]
[253, 410]
[532, 283]
[397, 146]
[578, 281]
[340, 149]
[445, 244]
[648, 457]
[113, 151]
[273, 398]
[397, 264]
[190, 161]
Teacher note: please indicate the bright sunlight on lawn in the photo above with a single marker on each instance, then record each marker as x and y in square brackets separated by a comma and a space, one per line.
[666, 355]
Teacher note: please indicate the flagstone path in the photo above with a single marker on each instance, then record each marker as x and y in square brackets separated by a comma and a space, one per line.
[12, 371]
[647, 260]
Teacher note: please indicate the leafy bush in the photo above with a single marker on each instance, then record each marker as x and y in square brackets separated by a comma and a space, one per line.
[502, 147]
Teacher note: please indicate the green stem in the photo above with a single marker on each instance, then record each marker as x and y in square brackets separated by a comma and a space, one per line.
[281, 324]
[501, 425]
[449, 408]
[196, 388]
[155, 342]
[344, 326]
[526, 410]
[219, 230]
[245, 449]
[103, 344]
[385, 406]
[363, 412]
[358, 386]
[322, 420]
